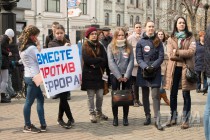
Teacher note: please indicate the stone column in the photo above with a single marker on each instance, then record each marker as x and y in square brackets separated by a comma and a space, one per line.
[114, 13]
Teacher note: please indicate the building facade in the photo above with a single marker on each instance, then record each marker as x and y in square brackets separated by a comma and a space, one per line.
[109, 13]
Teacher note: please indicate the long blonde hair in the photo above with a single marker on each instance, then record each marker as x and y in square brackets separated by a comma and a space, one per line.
[115, 49]
[26, 34]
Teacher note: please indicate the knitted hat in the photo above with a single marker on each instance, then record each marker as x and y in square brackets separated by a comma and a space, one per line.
[9, 33]
[89, 30]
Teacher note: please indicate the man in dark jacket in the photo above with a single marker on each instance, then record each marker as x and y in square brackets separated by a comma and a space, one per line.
[207, 68]
[107, 38]
[105, 42]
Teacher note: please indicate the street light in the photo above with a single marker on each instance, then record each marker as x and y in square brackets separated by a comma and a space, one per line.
[206, 7]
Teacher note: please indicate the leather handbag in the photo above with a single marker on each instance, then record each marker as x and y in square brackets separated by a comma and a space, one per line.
[122, 98]
[190, 75]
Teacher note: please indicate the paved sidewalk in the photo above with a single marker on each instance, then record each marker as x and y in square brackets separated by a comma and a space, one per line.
[11, 122]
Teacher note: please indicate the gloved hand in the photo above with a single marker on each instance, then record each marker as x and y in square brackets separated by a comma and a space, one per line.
[150, 69]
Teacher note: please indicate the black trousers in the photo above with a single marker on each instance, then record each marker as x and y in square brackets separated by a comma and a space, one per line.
[173, 96]
[64, 106]
[116, 86]
[135, 89]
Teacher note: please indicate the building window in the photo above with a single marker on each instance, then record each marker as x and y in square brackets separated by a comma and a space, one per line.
[158, 3]
[137, 18]
[131, 1]
[137, 3]
[52, 5]
[118, 19]
[83, 7]
[131, 20]
[107, 19]
[169, 25]
[148, 3]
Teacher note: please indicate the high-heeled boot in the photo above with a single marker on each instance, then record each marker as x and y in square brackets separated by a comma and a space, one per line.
[115, 121]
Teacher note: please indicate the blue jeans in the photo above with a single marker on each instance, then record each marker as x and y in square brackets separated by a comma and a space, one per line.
[207, 113]
[33, 92]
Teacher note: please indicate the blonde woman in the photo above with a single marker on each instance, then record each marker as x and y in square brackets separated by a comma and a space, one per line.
[121, 62]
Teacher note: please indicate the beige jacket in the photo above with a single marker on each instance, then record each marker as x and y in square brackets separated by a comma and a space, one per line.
[165, 61]
[187, 53]
[133, 40]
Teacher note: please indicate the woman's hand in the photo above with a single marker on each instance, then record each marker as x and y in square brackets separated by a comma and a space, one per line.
[38, 45]
[120, 79]
[93, 66]
[67, 44]
[125, 79]
[10, 54]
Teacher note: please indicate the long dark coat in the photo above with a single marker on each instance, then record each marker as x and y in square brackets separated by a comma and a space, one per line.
[92, 77]
[199, 57]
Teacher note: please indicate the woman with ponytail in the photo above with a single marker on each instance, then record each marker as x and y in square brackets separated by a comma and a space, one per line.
[28, 50]
[149, 56]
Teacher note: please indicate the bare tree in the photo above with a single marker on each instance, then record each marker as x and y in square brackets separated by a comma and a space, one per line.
[191, 8]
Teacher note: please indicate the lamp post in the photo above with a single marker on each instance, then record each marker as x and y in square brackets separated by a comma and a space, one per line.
[67, 17]
[206, 7]
[7, 18]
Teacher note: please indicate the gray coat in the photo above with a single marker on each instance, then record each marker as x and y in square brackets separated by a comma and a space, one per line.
[120, 63]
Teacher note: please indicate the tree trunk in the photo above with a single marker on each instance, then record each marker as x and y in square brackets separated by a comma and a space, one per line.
[193, 24]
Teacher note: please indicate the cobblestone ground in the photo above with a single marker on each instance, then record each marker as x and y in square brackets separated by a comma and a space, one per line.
[11, 122]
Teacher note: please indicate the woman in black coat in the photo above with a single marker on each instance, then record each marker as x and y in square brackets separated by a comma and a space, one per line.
[199, 63]
[95, 61]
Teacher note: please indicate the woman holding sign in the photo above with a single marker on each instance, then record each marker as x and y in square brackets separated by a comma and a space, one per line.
[28, 50]
[60, 40]
[95, 60]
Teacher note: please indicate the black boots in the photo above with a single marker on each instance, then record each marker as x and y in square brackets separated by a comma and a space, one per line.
[148, 120]
[115, 121]
[125, 121]
[4, 99]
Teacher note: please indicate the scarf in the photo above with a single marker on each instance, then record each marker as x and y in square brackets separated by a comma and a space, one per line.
[180, 36]
[120, 43]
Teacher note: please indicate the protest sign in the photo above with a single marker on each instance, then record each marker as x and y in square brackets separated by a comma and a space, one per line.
[60, 68]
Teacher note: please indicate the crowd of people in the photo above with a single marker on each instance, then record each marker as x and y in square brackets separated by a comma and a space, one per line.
[147, 59]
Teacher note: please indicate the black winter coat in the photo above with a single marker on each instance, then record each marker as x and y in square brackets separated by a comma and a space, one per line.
[15, 69]
[50, 38]
[207, 52]
[5, 52]
[199, 57]
[92, 77]
[106, 41]
[57, 43]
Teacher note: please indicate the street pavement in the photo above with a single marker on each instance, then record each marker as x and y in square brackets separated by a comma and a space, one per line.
[12, 121]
